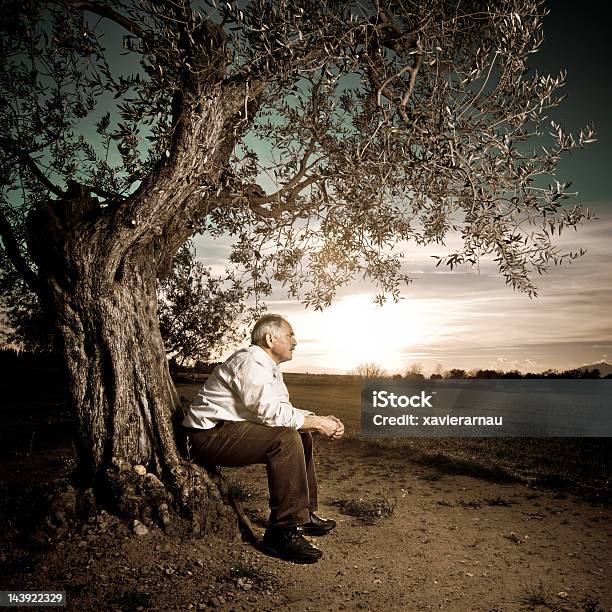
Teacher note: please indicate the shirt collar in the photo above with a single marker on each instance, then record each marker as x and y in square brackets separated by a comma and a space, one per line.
[262, 357]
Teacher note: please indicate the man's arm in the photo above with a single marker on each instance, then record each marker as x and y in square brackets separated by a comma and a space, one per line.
[255, 387]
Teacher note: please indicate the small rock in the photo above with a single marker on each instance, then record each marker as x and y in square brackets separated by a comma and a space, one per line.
[244, 584]
[139, 528]
[563, 594]
[200, 562]
[141, 470]
[153, 480]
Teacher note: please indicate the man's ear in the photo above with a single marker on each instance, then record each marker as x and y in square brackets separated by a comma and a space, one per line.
[269, 339]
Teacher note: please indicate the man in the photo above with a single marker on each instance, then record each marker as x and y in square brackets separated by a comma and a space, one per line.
[243, 415]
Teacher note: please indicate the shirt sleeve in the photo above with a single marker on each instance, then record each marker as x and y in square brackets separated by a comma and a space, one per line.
[254, 385]
[304, 412]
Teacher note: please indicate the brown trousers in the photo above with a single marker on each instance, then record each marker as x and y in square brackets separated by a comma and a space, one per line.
[287, 454]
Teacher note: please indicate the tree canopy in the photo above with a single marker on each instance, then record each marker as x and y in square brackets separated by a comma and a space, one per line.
[321, 136]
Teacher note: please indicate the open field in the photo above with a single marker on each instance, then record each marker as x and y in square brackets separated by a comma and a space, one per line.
[451, 524]
[582, 465]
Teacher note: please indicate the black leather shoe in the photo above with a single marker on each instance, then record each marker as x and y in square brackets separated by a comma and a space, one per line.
[317, 526]
[289, 544]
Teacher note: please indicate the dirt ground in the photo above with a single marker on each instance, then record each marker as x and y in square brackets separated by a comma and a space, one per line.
[449, 542]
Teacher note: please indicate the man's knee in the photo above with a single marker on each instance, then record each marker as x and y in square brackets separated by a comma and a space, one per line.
[287, 436]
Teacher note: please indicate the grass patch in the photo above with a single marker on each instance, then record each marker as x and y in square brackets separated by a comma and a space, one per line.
[536, 596]
[242, 569]
[368, 511]
[240, 490]
[249, 576]
[590, 604]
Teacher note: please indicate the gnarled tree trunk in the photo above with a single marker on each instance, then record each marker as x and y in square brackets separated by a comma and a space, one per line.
[98, 268]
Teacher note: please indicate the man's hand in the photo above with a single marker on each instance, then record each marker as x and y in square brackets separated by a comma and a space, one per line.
[339, 427]
[329, 426]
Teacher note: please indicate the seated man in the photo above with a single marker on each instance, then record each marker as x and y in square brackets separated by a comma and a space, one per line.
[242, 415]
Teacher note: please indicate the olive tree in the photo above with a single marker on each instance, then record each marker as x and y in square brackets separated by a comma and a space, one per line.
[322, 136]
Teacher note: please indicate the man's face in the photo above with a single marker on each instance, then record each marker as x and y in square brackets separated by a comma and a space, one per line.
[283, 344]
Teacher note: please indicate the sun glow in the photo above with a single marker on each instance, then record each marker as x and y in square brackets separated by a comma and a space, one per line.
[354, 330]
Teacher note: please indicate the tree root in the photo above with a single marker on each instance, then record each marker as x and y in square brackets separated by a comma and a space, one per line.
[196, 502]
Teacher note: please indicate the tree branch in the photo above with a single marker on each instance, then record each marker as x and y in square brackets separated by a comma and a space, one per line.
[38, 173]
[10, 146]
[414, 70]
[11, 247]
[276, 211]
[256, 197]
[113, 15]
[390, 35]
[275, 197]
[383, 85]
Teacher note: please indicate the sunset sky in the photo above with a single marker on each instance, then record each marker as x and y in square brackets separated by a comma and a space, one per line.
[464, 319]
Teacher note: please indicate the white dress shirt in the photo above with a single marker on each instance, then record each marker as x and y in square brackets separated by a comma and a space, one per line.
[247, 387]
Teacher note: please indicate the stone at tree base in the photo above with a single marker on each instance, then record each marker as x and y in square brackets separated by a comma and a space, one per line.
[141, 470]
[244, 583]
[139, 528]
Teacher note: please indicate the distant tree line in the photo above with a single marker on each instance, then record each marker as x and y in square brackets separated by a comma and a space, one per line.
[573, 373]
[415, 372]
[12, 360]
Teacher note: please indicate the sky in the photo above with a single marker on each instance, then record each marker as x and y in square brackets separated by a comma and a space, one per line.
[464, 319]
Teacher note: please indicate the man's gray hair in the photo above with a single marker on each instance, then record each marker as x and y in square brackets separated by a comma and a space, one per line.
[268, 324]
